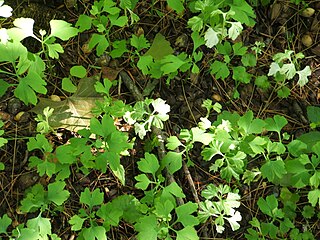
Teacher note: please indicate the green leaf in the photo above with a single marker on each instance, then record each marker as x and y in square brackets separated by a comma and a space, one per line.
[243, 12]
[105, 128]
[3, 87]
[84, 22]
[224, 48]
[308, 212]
[62, 30]
[173, 142]
[262, 82]
[54, 50]
[249, 60]
[170, 64]
[34, 199]
[315, 179]
[269, 206]
[149, 164]
[173, 161]
[118, 21]
[78, 71]
[119, 48]
[250, 125]
[310, 139]
[174, 190]
[184, 214]
[240, 74]
[5, 222]
[197, 40]
[28, 86]
[219, 69]
[239, 49]
[276, 123]
[100, 42]
[147, 227]
[41, 225]
[283, 92]
[187, 233]
[56, 193]
[91, 198]
[96, 232]
[115, 166]
[43, 166]
[139, 42]
[2, 166]
[196, 23]
[76, 222]
[39, 142]
[176, 5]
[110, 213]
[145, 63]
[68, 86]
[314, 197]
[300, 175]
[143, 181]
[313, 114]
[159, 48]
[273, 170]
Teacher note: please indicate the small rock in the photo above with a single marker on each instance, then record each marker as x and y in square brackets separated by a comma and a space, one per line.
[14, 106]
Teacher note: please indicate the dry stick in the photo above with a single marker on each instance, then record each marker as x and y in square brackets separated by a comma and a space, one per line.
[161, 150]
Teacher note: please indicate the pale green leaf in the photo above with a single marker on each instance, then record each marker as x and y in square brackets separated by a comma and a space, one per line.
[303, 76]
[187, 233]
[78, 71]
[76, 222]
[211, 38]
[314, 197]
[5, 222]
[63, 30]
[235, 30]
[67, 85]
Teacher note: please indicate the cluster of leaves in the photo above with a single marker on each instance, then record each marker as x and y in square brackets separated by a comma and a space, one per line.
[24, 67]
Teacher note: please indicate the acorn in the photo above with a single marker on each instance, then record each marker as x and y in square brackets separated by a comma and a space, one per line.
[308, 12]
[307, 40]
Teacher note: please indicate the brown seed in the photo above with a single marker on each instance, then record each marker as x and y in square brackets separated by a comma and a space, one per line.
[55, 98]
[308, 12]
[307, 40]
[18, 116]
[216, 97]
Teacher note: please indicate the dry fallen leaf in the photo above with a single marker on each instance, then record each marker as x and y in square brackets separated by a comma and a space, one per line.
[73, 113]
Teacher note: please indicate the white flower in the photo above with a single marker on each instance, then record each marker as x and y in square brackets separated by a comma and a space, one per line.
[5, 10]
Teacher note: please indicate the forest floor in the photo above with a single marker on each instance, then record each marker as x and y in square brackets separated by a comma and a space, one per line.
[279, 27]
